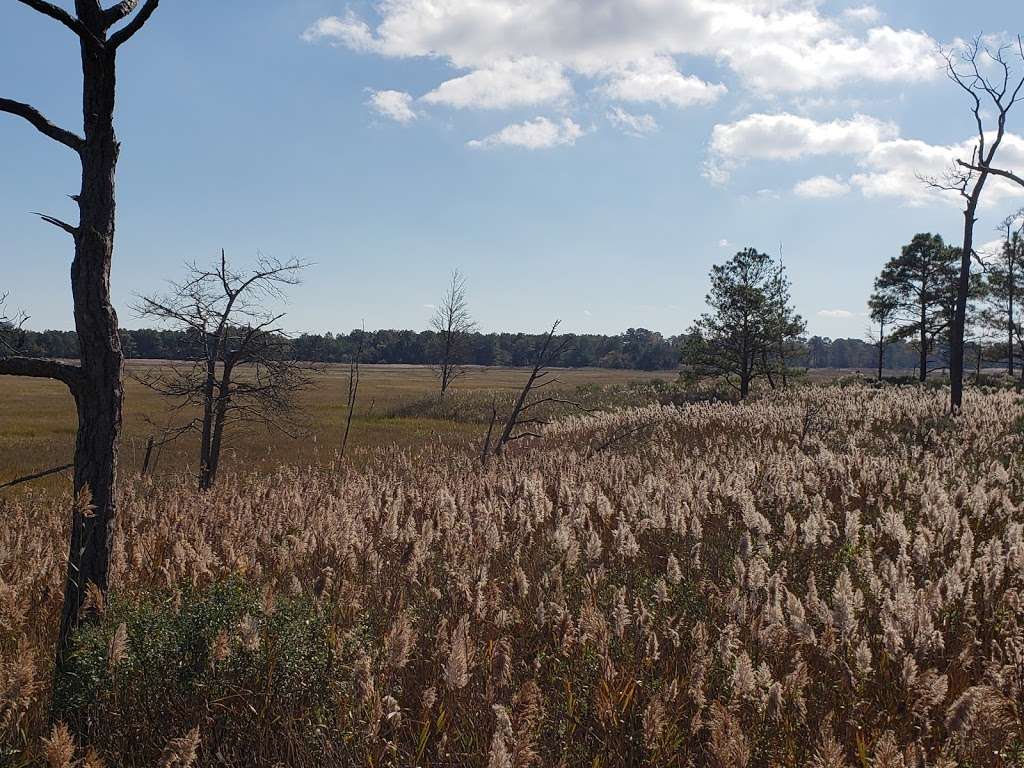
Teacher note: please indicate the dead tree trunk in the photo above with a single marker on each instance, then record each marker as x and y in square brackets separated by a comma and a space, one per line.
[521, 422]
[353, 392]
[1003, 90]
[881, 349]
[97, 383]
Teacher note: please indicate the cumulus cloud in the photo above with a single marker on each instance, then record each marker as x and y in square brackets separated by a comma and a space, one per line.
[896, 169]
[539, 133]
[394, 105]
[634, 125]
[836, 314]
[658, 81]
[885, 55]
[889, 166]
[631, 48]
[790, 137]
[525, 82]
[821, 187]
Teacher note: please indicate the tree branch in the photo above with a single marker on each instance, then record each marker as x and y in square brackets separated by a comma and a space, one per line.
[994, 171]
[137, 22]
[36, 368]
[115, 13]
[37, 476]
[58, 13]
[71, 230]
[44, 126]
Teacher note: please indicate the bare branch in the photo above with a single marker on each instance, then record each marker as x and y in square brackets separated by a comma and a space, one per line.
[70, 229]
[994, 171]
[36, 476]
[58, 13]
[36, 368]
[44, 126]
[136, 23]
[115, 13]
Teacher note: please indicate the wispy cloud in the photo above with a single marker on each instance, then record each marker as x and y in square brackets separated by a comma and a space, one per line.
[633, 125]
[836, 314]
[394, 105]
[539, 133]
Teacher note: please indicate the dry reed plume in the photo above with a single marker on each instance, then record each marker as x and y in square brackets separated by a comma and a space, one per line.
[828, 577]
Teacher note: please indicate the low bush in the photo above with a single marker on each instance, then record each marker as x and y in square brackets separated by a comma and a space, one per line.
[258, 675]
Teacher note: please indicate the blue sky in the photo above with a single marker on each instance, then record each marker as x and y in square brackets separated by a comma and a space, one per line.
[581, 159]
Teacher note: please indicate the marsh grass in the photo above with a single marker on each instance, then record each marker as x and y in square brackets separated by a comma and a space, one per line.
[743, 587]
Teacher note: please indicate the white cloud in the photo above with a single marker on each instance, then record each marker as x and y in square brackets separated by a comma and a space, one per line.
[539, 133]
[886, 55]
[524, 82]
[821, 187]
[895, 169]
[990, 249]
[890, 166]
[863, 14]
[658, 81]
[630, 47]
[350, 32]
[723, 243]
[395, 105]
[634, 125]
[836, 314]
[790, 137]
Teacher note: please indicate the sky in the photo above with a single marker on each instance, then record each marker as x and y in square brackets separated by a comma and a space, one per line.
[587, 160]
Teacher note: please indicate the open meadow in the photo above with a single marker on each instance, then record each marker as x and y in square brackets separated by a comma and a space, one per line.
[37, 418]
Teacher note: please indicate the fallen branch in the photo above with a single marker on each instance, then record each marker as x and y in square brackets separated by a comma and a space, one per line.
[36, 476]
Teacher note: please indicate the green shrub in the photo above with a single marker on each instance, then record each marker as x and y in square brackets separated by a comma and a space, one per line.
[257, 680]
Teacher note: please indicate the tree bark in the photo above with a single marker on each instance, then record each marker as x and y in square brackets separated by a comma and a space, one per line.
[922, 373]
[1009, 339]
[99, 397]
[881, 349]
[96, 383]
[956, 356]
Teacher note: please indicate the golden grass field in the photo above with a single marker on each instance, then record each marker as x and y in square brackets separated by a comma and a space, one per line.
[37, 418]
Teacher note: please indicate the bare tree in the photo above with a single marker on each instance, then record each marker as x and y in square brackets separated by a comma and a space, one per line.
[522, 421]
[11, 323]
[883, 308]
[96, 383]
[353, 389]
[968, 68]
[453, 324]
[242, 372]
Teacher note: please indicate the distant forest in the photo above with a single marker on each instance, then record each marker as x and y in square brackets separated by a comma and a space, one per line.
[637, 348]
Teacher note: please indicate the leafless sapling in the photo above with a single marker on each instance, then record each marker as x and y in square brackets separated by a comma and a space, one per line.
[882, 310]
[987, 76]
[522, 420]
[353, 389]
[11, 325]
[96, 382]
[453, 323]
[241, 372]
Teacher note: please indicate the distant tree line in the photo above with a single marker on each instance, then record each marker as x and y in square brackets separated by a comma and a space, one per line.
[636, 349]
